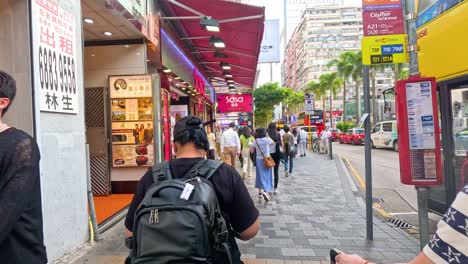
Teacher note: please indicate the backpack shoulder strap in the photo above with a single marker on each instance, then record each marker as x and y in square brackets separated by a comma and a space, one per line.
[194, 171]
[209, 168]
[161, 172]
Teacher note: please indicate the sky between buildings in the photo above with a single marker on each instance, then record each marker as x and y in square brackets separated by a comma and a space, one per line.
[274, 9]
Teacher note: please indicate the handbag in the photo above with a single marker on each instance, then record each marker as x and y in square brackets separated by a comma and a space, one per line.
[267, 160]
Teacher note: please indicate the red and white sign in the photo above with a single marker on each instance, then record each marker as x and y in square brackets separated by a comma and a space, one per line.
[234, 103]
[383, 22]
[54, 47]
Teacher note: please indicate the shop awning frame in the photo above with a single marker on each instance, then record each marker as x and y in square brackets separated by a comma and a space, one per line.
[241, 29]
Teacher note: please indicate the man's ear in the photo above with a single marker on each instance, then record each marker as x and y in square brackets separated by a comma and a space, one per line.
[4, 103]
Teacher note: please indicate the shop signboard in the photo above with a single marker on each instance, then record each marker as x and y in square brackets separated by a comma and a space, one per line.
[368, 5]
[132, 116]
[54, 47]
[234, 103]
[270, 47]
[133, 86]
[383, 22]
[384, 49]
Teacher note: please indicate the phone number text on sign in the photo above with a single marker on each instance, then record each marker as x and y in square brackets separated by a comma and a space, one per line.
[55, 57]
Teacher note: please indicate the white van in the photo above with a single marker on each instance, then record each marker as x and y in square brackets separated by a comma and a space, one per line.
[385, 135]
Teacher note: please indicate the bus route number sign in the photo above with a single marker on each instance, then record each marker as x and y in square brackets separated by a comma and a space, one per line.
[384, 49]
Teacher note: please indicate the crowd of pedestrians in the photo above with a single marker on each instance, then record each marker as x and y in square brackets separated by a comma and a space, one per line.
[227, 204]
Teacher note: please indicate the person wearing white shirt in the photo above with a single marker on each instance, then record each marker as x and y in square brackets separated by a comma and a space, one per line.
[230, 145]
[324, 140]
[302, 142]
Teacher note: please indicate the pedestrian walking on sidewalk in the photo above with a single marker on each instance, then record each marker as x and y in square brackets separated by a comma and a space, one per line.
[263, 180]
[230, 145]
[303, 137]
[211, 140]
[290, 151]
[241, 157]
[325, 137]
[172, 232]
[219, 136]
[21, 235]
[275, 152]
[246, 138]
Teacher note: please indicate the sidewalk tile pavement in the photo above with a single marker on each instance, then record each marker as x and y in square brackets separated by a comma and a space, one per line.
[314, 211]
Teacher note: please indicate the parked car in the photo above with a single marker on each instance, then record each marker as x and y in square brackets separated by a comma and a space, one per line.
[353, 136]
[385, 135]
[335, 134]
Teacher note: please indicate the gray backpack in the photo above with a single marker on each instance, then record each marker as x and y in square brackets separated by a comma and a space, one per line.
[180, 221]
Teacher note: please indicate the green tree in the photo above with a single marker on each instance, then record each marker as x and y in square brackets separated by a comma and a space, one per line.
[356, 75]
[292, 100]
[330, 82]
[344, 68]
[265, 99]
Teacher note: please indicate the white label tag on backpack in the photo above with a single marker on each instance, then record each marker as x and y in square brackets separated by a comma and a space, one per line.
[187, 191]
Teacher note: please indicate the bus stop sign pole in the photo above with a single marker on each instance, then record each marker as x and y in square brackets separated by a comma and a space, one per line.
[422, 192]
[367, 154]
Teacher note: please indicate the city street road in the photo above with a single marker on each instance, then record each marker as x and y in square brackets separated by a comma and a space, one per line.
[397, 199]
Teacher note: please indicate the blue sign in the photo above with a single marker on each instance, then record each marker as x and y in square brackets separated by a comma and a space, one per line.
[392, 49]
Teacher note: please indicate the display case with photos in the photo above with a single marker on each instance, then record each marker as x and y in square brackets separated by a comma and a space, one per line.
[132, 132]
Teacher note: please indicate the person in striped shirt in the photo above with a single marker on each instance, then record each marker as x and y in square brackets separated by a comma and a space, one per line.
[448, 245]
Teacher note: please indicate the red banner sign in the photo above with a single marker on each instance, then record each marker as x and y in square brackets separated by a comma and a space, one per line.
[234, 103]
[383, 22]
[199, 83]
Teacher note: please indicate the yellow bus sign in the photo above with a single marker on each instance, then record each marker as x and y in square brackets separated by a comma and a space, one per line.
[384, 49]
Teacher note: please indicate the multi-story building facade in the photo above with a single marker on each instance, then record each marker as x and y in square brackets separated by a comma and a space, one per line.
[322, 35]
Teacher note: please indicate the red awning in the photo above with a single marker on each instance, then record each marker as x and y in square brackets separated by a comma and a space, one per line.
[241, 29]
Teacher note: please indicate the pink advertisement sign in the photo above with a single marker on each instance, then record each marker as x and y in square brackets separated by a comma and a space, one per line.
[234, 103]
[383, 22]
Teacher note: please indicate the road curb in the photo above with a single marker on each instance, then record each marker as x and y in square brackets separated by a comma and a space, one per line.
[348, 175]
[352, 184]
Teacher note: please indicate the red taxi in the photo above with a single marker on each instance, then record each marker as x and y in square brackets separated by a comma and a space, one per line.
[335, 134]
[354, 136]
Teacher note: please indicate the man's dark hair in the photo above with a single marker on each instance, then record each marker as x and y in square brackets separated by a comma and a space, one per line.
[232, 124]
[192, 132]
[286, 129]
[7, 89]
[260, 132]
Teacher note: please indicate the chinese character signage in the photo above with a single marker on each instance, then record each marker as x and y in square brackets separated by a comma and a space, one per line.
[383, 22]
[130, 86]
[54, 46]
[384, 41]
[384, 49]
[234, 103]
[131, 108]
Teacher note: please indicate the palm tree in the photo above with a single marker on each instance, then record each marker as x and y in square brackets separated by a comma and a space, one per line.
[330, 82]
[316, 89]
[356, 75]
[344, 67]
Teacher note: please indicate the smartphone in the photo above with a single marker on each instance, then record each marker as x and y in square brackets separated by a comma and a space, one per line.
[333, 253]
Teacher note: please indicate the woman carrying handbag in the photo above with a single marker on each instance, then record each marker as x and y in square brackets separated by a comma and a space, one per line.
[264, 163]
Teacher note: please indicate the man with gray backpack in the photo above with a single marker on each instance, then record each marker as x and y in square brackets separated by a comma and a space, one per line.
[190, 210]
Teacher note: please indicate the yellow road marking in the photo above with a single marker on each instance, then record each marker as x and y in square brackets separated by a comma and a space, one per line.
[356, 174]
[381, 211]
